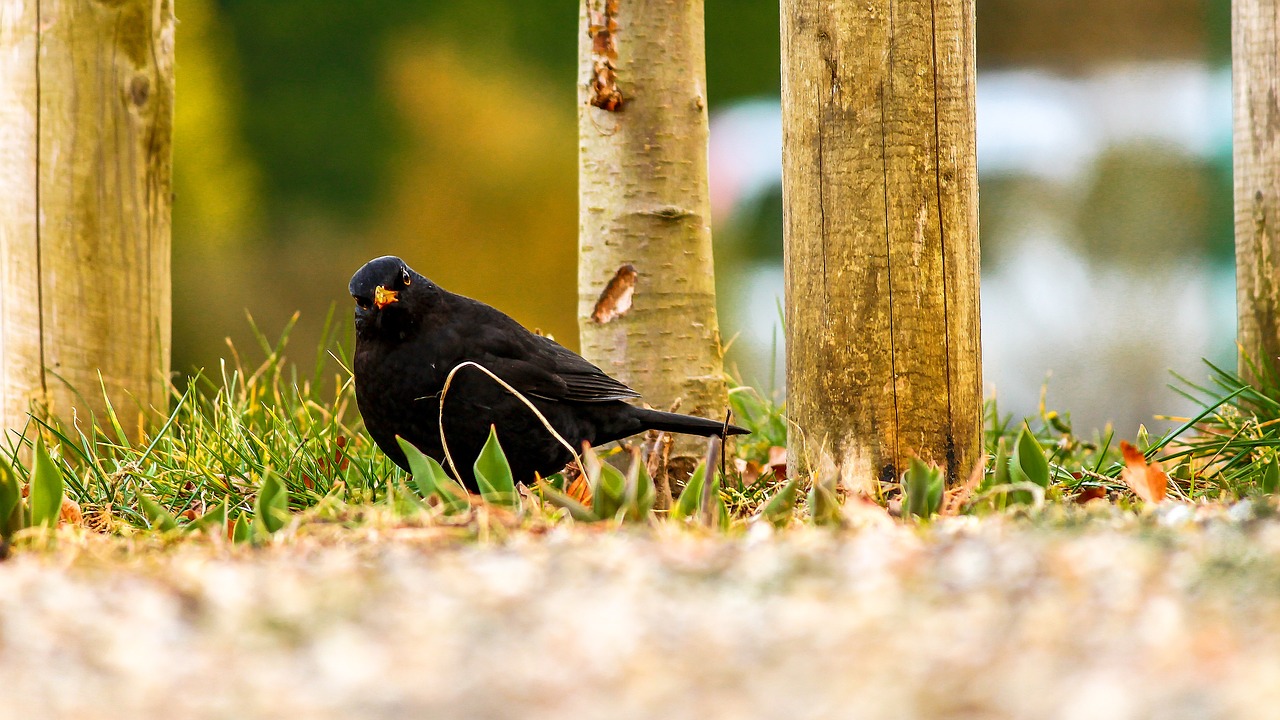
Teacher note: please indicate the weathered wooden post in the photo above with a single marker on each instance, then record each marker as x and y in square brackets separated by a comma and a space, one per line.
[644, 206]
[86, 111]
[1256, 147]
[880, 188]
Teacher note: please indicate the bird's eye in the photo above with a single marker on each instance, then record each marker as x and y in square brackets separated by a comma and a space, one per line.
[404, 277]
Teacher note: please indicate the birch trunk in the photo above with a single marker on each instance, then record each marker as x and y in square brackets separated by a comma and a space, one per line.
[86, 111]
[880, 205]
[1256, 82]
[646, 282]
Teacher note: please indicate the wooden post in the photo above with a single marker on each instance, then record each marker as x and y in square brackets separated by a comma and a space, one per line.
[880, 204]
[1256, 149]
[86, 112]
[644, 206]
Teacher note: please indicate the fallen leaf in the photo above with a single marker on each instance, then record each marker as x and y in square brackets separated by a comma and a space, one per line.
[1090, 492]
[70, 512]
[955, 498]
[748, 470]
[778, 462]
[1148, 481]
[580, 490]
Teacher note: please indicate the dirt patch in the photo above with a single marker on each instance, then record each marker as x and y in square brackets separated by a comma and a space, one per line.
[1108, 617]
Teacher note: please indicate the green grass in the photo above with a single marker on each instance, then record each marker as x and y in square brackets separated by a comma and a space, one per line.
[249, 446]
[226, 431]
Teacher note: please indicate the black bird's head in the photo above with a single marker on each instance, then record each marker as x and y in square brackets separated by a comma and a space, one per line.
[389, 296]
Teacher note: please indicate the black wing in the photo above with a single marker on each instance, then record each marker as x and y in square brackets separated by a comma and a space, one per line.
[541, 367]
[584, 382]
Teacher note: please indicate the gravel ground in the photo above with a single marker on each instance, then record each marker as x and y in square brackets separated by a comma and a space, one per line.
[1106, 616]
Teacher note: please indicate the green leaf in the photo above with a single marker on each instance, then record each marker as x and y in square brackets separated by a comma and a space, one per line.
[556, 481]
[271, 507]
[781, 507]
[691, 497]
[432, 480]
[403, 501]
[241, 532]
[1000, 474]
[1270, 478]
[46, 489]
[576, 510]
[493, 473]
[608, 485]
[214, 520]
[922, 485]
[824, 506]
[11, 515]
[1028, 464]
[641, 492]
[159, 518]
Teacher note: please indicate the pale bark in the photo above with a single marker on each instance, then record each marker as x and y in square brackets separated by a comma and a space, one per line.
[644, 202]
[86, 112]
[880, 188]
[1256, 80]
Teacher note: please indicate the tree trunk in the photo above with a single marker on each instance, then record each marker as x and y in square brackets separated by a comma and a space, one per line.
[647, 310]
[86, 111]
[881, 228]
[1256, 81]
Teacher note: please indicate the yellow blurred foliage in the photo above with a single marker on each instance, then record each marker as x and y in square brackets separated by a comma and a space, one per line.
[215, 181]
[485, 191]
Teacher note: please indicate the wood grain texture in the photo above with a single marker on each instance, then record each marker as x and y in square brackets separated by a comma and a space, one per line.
[644, 201]
[1256, 88]
[85, 187]
[881, 254]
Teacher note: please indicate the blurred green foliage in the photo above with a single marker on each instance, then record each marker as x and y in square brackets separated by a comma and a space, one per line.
[312, 135]
[315, 134]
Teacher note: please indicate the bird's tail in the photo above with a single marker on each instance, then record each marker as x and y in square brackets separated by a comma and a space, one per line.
[688, 424]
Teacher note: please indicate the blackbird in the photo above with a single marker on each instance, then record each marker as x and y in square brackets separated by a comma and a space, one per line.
[410, 333]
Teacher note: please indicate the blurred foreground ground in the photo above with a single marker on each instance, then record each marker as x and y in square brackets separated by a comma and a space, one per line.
[1108, 616]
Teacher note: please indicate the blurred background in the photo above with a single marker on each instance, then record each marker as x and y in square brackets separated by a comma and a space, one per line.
[313, 135]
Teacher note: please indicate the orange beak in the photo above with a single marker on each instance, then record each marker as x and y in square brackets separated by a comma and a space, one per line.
[383, 297]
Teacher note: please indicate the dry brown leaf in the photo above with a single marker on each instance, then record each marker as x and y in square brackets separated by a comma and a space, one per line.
[70, 513]
[1091, 492]
[1148, 481]
[778, 462]
[955, 498]
[580, 490]
[748, 470]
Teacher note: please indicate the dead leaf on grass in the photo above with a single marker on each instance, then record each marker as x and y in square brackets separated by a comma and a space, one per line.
[778, 462]
[1090, 492]
[1148, 481]
[580, 490]
[70, 513]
